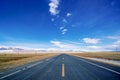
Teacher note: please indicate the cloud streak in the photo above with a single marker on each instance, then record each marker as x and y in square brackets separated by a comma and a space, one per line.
[63, 45]
[68, 14]
[64, 20]
[63, 30]
[91, 40]
[114, 37]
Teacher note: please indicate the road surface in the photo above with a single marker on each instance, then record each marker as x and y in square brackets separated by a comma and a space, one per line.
[63, 67]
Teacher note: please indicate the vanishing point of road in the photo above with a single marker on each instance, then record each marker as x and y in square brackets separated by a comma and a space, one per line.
[63, 67]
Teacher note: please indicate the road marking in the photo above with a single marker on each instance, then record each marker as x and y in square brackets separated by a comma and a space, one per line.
[10, 74]
[63, 58]
[48, 59]
[20, 70]
[32, 65]
[101, 67]
[24, 68]
[63, 70]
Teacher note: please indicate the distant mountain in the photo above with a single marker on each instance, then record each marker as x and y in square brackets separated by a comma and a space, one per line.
[2, 48]
[10, 48]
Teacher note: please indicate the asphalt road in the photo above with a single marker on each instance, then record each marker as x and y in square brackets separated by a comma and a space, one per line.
[63, 67]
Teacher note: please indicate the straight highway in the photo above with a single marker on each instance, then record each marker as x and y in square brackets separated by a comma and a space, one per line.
[63, 67]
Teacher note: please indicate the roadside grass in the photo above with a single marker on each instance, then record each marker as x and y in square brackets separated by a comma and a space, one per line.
[103, 55]
[8, 61]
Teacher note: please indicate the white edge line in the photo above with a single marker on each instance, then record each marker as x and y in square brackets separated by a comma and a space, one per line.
[30, 66]
[19, 70]
[10, 74]
[101, 67]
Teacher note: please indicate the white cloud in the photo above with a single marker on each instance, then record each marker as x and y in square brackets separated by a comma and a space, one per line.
[25, 45]
[111, 47]
[57, 43]
[63, 45]
[61, 28]
[94, 47]
[64, 20]
[66, 45]
[101, 48]
[68, 14]
[117, 42]
[64, 31]
[91, 40]
[114, 37]
[52, 19]
[53, 7]
[72, 42]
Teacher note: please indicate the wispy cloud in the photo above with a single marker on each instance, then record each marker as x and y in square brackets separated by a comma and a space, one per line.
[113, 3]
[62, 45]
[108, 47]
[72, 42]
[58, 44]
[54, 7]
[66, 45]
[64, 20]
[113, 37]
[117, 42]
[91, 40]
[68, 14]
[25, 44]
[63, 30]
[94, 47]
[52, 19]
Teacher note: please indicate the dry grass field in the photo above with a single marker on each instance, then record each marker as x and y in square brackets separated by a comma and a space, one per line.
[8, 61]
[103, 55]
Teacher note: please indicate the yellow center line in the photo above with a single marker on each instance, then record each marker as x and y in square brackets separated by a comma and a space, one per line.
[63, 70]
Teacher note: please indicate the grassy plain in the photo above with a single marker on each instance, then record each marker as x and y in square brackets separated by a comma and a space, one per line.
[103, 55]
[8, 61]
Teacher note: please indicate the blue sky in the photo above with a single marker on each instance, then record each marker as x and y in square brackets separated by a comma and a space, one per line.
[86, 25]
